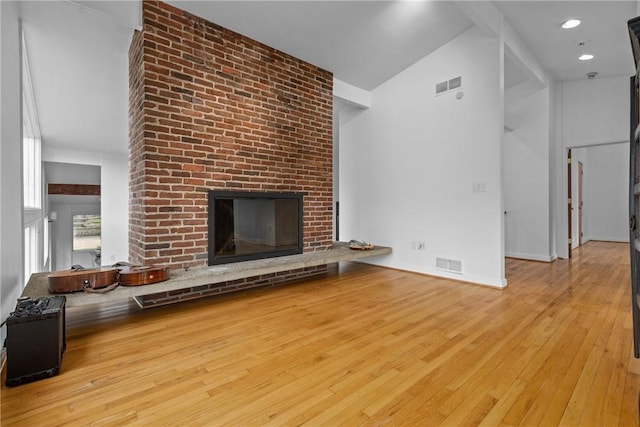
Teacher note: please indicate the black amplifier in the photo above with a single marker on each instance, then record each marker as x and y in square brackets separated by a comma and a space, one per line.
[35, 339]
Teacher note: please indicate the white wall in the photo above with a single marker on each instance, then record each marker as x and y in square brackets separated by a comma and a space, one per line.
[11, 234]
[114, 207]
[408, 164]
[605, 192]
[595, 111]
[526, 173]
[607, 195]
[553, 166]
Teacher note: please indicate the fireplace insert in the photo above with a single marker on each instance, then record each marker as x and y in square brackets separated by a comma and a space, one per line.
[246, 226]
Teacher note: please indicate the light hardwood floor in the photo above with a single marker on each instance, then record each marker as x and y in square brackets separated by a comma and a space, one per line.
[362, 346]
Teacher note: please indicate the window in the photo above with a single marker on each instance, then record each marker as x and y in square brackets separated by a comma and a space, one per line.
[31, 158]
[32, 177]
[32, 173]
[86, 232]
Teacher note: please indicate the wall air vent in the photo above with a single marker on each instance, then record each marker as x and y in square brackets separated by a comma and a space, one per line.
[448, 85]
[441, 88]
[449, 265]
[455, 83]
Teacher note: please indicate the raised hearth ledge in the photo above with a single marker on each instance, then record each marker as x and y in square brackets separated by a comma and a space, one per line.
[38, 283]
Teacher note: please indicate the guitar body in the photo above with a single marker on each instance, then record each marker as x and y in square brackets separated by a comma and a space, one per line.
[82, 280]
[142, 275]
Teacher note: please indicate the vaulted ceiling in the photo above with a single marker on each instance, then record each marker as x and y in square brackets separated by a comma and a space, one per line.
[78, 50]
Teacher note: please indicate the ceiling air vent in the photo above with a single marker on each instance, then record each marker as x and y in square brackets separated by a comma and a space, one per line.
[450, 265]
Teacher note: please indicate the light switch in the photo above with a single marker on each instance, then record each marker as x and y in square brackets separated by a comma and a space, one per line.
[479, 187]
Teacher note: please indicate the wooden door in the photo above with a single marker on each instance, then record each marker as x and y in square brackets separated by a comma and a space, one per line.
[580, 203]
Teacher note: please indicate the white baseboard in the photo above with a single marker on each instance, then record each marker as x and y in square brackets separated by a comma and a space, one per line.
[605, 239]
[531, 257]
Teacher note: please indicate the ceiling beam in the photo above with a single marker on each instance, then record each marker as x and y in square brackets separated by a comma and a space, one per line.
[351, 94]
[491, 21]
[521, 55]
[74, 189]
[483, 14]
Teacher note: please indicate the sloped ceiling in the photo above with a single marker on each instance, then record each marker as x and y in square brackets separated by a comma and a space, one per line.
[364, 43]
[78, 50]
[79, 70]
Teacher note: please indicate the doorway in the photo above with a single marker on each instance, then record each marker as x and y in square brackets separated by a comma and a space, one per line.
[575, 199]
[75, 214]
[597, 208]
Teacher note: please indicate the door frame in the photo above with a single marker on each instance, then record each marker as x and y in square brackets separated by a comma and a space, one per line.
[569, 207]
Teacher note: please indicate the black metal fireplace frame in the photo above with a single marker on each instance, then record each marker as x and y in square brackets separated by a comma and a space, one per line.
[227, 195]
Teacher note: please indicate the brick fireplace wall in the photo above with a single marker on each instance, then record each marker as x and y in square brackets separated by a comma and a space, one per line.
[212, 109]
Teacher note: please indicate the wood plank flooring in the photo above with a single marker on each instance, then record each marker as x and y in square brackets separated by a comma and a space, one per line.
[362, 346]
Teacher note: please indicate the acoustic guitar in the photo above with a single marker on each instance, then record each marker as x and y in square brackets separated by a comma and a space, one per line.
[96, 280]
[142, 275]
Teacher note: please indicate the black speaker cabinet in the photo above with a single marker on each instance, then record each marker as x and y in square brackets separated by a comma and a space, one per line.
[35, 339]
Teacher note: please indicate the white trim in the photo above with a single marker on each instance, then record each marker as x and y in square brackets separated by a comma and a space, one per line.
[531, 257]
[605, 239]
[466, 278]
[600, 144]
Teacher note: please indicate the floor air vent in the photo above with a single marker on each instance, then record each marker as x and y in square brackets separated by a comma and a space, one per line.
[450, 265]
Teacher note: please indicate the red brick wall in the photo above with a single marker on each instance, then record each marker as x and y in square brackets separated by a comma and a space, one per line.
[212, 109]
[203, 291]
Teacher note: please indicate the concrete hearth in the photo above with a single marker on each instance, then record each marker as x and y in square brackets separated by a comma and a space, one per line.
[202, 276]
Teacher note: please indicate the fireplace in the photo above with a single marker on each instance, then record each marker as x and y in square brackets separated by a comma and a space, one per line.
[246, 226]
[210, 109]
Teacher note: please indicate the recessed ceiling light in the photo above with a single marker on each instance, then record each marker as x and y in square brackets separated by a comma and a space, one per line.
[585, 57]
[570, 23]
